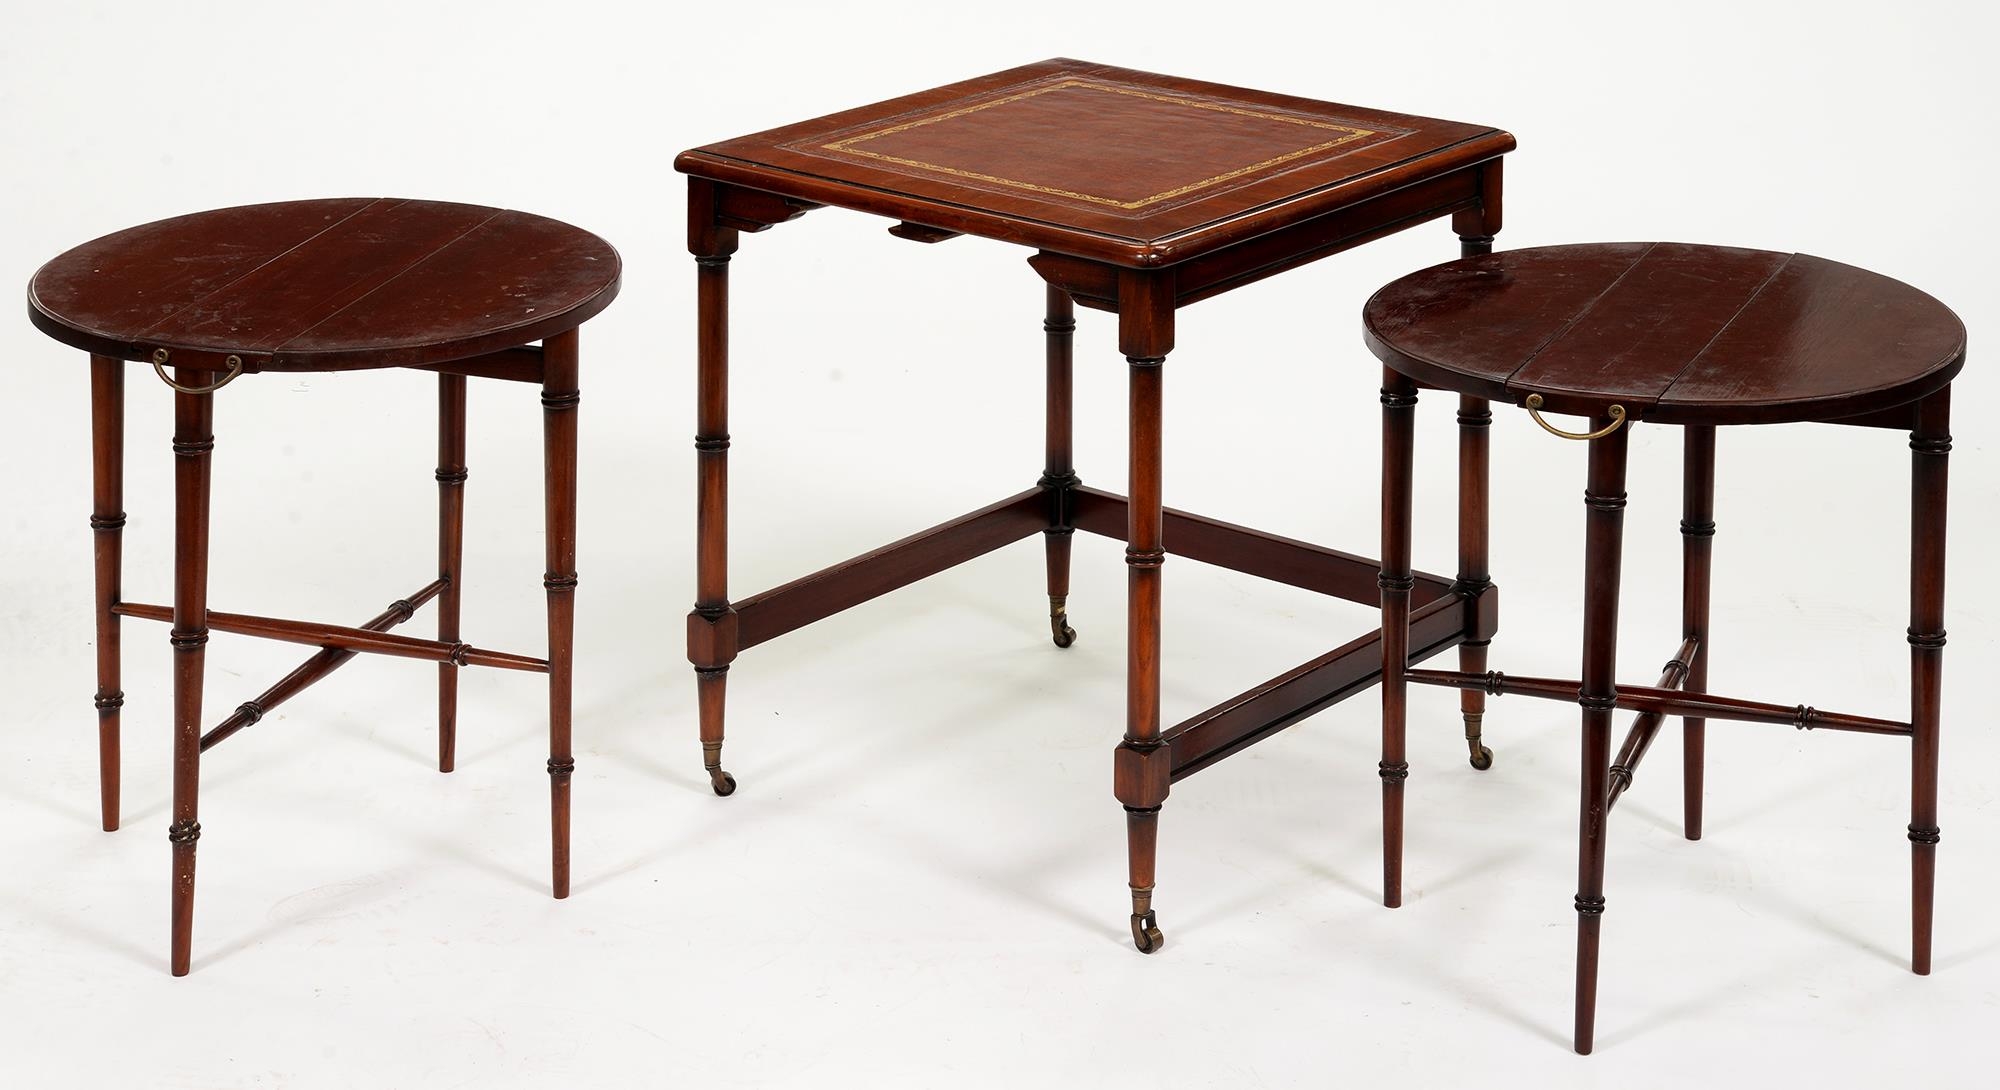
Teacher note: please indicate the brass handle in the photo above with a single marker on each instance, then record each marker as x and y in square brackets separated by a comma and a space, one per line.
[1615, 412]
[235, 368]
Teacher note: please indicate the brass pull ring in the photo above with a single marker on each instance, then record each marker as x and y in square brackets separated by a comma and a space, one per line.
[235, 368]
[1615, 412]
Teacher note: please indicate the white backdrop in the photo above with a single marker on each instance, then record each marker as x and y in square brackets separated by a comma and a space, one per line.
[921, 881]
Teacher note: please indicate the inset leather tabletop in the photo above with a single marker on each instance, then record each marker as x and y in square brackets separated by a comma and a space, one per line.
[1097, 161]
[1673, 332]
[326, 285]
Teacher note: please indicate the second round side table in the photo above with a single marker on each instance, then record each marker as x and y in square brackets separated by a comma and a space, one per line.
[1698, 337]
[324, 285]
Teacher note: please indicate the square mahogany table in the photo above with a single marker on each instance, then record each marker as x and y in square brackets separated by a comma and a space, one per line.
[1139, 194]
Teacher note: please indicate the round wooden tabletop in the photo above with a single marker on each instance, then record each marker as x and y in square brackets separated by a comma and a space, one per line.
[1675, 333]
[326, 285]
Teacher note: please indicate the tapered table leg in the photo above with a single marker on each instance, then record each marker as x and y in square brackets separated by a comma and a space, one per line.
[1143, 766]
[1399, 410]
[1604, 500]
[451, 475]
[107, 530]
[712, 625]
[559, 409]
[1930, 446]
[1144, 557]
[1475, 228]
[194, 445]
[1697, 548]
[1475, 425]
[1059, 471]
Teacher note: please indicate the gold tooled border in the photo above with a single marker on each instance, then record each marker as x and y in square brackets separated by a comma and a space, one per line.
[846, 145]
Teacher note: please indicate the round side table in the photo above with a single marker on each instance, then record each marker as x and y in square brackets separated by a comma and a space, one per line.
[1701, 337]
[324, 285]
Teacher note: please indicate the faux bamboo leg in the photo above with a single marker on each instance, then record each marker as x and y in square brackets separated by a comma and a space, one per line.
[194, 445]
[1399, 410]
[1142, 768]
[1475, 425]
[559, 409]
[107, 526]
[1930, 444]
[712, 625]
[1059, 471]
[451, 553]
[1475, 227]
[1604, 499]
[1697, 548]
[1144, 557]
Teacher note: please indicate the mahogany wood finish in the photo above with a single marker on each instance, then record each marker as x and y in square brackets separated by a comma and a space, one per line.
[1059, 477]
[250, 712]
[1252, 716]
[713, 626]
[1701, 337]
[107, 527]
[1676, 333]
[1930, 444]
[849, 583]
[1139, 194]
[1475, 423]
[1697, 553]
[194, 446]
[1269, 556]
[323, 285]
[317, 634]
[1646, 725]
[559, 410]
[1663, 700]
[1604, 524]
[326, 285]
[1143, 767]
[1399, 405]
[1122, 167]
[1476, 228]
[451, 474]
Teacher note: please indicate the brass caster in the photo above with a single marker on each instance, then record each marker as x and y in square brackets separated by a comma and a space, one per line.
[723, 783]
[1059, 621]
[1146, 933]
[1063, 633]
[1482, 758]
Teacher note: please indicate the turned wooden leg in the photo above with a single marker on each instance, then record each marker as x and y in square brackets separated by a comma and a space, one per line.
[1143, 766]
[559, 408]
[1399, 410]
[1059, 472]
[451, 553]
[194, 445]
[107, 529]
[1475, 228]
[1604, 499]
[1143, 769]
[1930, 446]
[1475, 424]
[1697, 547]
[712, 624]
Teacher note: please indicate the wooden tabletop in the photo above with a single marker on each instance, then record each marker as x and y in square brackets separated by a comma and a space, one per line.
[1673, 332]
[1107, 163]
[326, 285]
